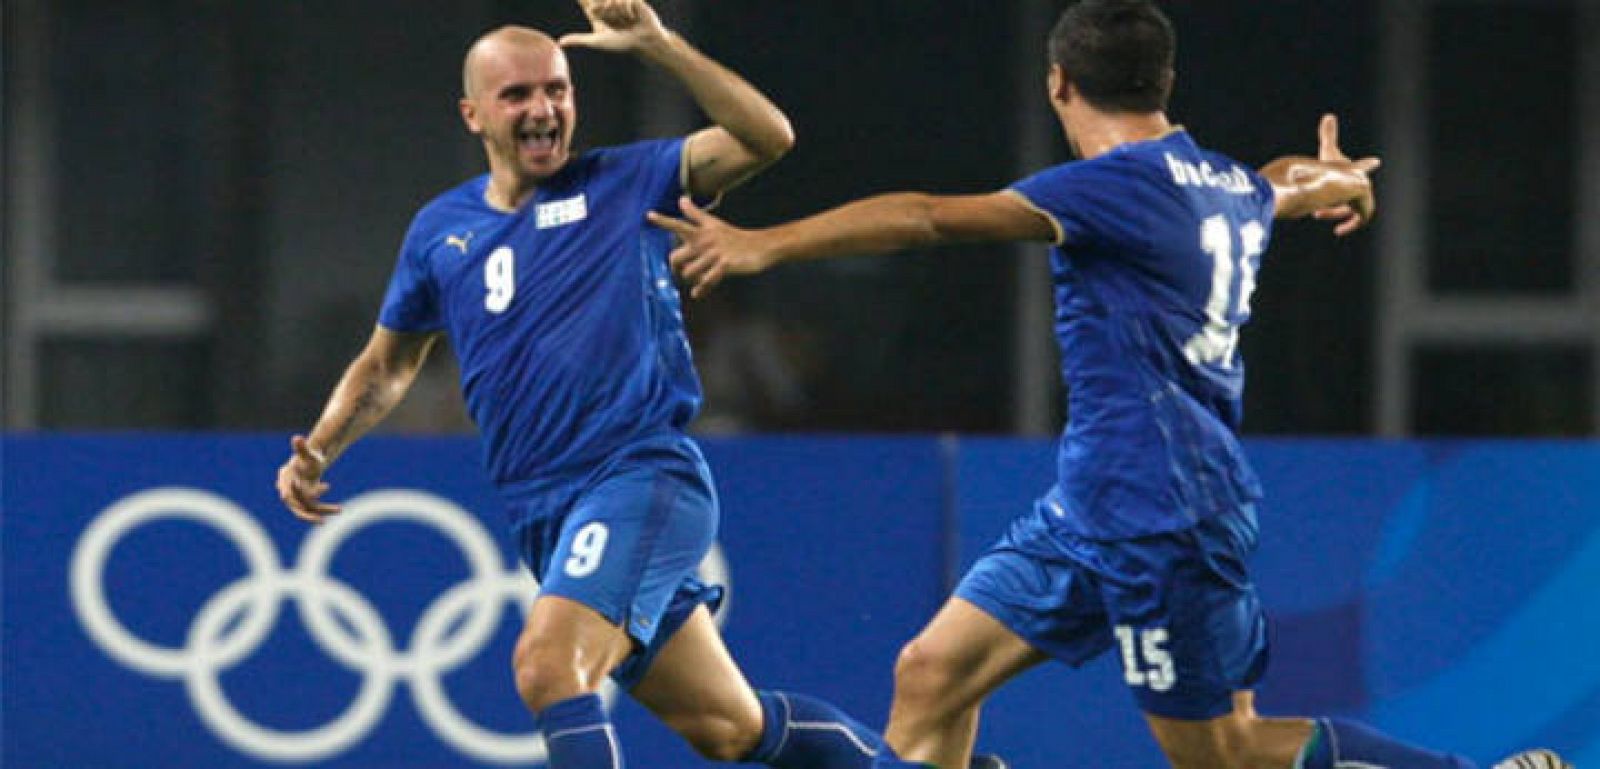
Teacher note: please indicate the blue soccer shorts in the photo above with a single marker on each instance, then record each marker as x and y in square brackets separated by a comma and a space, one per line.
[1179, 606]
[626, 543]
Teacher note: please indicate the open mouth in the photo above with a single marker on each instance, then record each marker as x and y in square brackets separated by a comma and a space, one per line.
[539, 140]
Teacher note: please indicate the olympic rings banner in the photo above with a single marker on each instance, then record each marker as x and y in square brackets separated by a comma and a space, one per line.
[161, 609]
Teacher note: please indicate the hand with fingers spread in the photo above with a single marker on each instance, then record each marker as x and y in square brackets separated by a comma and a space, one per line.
[710, 248]
[300, 483]
[1331, 186]
[618, 26]
[1358, 212]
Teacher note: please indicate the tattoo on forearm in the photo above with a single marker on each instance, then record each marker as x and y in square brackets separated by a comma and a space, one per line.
[365, 409]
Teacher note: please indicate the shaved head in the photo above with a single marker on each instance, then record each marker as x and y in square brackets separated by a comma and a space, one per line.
[495, 44]
[517, 97]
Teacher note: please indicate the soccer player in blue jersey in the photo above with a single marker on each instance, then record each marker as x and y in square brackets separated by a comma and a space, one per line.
[560, 305]
[1141, 543]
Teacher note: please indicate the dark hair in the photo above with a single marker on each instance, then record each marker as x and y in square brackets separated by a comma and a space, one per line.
[1117, 52]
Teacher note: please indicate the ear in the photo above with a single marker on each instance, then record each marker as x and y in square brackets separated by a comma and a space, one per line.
[469, 115]
[1060, 89]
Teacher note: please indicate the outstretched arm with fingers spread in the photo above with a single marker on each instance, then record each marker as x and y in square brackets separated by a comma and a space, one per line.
[711, 249]
[1330, 186]
[371, 387]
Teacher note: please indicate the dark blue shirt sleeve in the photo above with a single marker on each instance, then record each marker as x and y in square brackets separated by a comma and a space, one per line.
[1067, 194]
[411, 304]
[656, 166]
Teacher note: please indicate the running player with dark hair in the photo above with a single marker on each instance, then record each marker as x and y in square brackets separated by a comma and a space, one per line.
[1141, 543]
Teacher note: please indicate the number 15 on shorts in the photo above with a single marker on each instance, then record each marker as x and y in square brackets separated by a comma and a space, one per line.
[1145, 659]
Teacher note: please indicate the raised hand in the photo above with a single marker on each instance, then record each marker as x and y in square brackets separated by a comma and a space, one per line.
[710, 248]
[300, 483]
[1359, 211]
[618, 25]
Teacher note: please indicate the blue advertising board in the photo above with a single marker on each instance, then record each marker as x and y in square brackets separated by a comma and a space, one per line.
[1447, 592]
[161, 609]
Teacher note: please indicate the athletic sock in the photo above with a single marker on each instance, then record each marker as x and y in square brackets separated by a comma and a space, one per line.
[1336, 742]
[798, 731]
[579, 735]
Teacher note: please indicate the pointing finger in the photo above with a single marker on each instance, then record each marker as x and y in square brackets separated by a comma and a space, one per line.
[579, 39]
[675, 226]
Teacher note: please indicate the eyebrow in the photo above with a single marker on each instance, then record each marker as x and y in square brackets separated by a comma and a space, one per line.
[526, 85]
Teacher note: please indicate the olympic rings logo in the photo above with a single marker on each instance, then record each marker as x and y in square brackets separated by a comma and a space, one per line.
[235, 621]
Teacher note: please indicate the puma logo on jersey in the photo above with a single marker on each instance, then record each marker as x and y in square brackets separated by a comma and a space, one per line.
[559, 212]
[459, 241]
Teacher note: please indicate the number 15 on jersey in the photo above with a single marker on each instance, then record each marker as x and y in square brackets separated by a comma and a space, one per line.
[1217, 340]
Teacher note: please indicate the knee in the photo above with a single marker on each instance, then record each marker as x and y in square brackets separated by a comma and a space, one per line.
[545, 673]
[925, 671]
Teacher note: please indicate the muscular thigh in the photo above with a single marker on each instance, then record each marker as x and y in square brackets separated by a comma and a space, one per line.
[979, 649]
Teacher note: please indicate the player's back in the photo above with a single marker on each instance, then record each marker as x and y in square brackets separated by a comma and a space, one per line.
[1160, 241]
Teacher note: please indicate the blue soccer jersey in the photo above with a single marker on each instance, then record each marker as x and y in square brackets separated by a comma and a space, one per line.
[1158, 243]
[563, 314]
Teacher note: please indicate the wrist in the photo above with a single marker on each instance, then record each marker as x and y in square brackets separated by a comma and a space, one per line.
[662, 48]
[317, 455]
[775, 249]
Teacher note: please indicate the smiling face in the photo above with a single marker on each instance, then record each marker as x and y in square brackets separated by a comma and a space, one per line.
[519, 100]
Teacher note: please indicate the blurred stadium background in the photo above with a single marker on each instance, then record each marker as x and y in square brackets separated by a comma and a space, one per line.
[202, 202]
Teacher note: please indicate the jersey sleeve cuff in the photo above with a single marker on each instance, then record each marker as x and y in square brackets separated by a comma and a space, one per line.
[1055, 224]
[708, 203]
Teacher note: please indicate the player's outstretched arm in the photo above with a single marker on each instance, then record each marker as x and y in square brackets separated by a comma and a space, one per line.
[1329, 186]
[371, 387]
[711, 248]
[750, 133]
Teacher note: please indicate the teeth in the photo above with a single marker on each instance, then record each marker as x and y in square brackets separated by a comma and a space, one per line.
[538, 142]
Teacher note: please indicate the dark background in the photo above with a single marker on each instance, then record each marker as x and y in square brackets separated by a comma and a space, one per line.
[269, 156]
